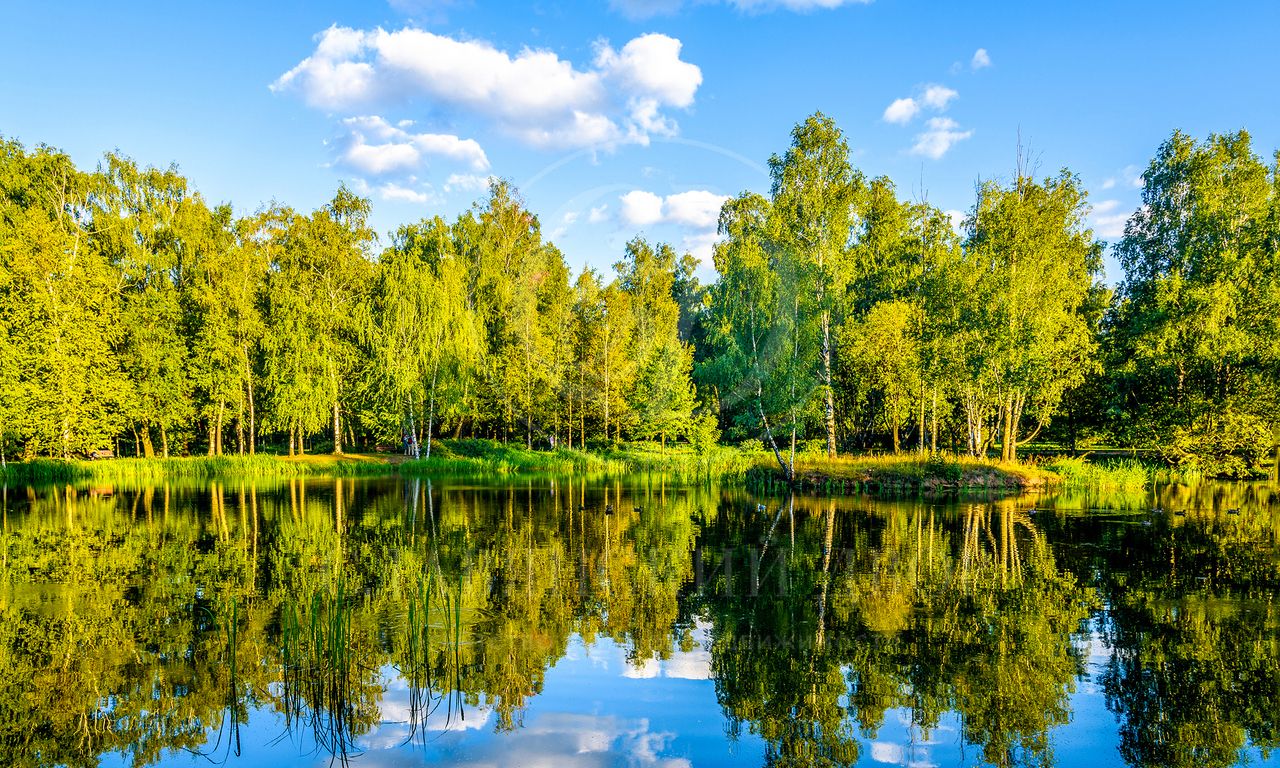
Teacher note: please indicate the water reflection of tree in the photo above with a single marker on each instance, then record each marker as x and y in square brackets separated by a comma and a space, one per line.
[823, 615]
[925, 613]
[1195, 673]
[116, 604]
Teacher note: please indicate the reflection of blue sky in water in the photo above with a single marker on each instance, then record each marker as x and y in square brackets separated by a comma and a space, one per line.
[598, 709]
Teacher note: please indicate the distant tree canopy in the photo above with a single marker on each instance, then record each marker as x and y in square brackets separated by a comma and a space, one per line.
[136, 317]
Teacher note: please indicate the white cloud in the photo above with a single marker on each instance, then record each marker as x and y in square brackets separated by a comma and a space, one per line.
[566, 221]
[1108, 183]
[466, 182]
[957, 218]
[533, 94]
[696, 208]
[645, 9]
[1132, 175]
[599, 214]
[393, 191]
[932, 96]
[640, 208]
[1108, 219]
[981, 59]
[375, 147]
[901, 111]
[701, 245]
[697, 211]
[801, 6]
[937, 96]
[940, 134]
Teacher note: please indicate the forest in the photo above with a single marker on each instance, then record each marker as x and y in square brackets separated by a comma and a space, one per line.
[136, 318]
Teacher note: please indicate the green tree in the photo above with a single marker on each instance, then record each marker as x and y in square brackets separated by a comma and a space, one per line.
[1029, 267]
[1198, 314]
[815, 191]
[60, 307]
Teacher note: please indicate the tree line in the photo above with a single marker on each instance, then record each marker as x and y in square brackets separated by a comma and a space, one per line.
[135, 316]
[133, 313]
[846, 312]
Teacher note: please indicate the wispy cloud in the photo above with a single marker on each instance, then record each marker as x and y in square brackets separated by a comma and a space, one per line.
[1108, 219]
[939, 136]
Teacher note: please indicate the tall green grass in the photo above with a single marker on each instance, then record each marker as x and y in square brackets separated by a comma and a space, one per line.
[196, 467]
[1110, 475]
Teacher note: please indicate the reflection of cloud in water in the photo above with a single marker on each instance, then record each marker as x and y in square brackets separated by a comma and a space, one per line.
[553, 739]
[900, 754]
[682, 665]
[395, 709]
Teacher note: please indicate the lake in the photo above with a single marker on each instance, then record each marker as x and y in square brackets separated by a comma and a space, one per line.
[635, 621]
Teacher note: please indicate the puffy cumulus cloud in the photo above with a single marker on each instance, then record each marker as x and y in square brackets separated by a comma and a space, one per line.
[981, 59]
[694, 209]
[533, 94]
[640, 208]
[939, 136]
[599, 214]
[901, 111]
[376, 147]
[937, 96]
[650, 67]
[933, 97]
[645, 9]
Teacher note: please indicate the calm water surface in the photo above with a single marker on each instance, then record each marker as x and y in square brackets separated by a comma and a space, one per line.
[634, 622]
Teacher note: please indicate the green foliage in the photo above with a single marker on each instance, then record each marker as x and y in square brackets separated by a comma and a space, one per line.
[1196, 319]
[135, 318]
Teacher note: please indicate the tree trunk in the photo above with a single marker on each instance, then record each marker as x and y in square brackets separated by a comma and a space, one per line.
[431, 410]
[253, 423]
[791, 460]
[291, 446]
[164, 441]
[148, 449]
[920, 424]
[826, 385]
[1007, 437]
[222, 414]
[337, 430]
[897, 445]
[933, 429]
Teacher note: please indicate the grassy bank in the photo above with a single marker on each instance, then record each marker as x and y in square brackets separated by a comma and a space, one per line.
[910, 473]
[905, 473]
[449, 457]
[195, 467]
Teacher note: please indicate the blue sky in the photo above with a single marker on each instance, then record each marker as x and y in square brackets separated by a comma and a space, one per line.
[621, 117]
